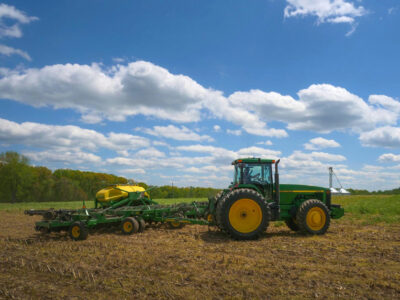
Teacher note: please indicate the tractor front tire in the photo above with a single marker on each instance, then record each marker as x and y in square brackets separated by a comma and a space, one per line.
[243, 214]
[78, 231]
[313, 217]
[129, 226]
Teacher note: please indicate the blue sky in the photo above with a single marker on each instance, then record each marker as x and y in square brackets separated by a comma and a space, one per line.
[165, 91]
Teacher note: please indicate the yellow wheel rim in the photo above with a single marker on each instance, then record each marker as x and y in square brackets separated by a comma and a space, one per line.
[127, 226]
[175, 224]
[316, 218]
[245, 215]
[76, 231]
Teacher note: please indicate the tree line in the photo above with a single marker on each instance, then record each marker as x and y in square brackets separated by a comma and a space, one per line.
[22, 182]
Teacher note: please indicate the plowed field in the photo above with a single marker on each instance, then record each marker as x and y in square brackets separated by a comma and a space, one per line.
[352, 261]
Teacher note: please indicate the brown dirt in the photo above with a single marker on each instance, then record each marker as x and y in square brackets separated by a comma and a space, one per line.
[351, 262]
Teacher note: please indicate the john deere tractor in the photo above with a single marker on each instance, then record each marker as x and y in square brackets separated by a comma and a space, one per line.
[255, 198]
[243, 210]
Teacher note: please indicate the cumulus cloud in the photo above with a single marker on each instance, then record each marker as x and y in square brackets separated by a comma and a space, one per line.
[320, 143]
[386, 136]
[125, 90]
[65, 157]
[66, 137]
[330, 11]
[385, 102]
[318, 156]
[229, 154]
[144, 88]
[389, 157]
[173, 132]
[321, 108]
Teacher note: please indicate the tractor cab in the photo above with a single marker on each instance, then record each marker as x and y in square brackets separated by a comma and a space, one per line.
[254, 173]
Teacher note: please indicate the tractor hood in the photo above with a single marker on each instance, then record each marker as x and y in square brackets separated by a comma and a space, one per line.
[301, 187]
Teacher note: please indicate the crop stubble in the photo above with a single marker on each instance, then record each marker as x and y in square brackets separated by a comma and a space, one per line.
[350, 261]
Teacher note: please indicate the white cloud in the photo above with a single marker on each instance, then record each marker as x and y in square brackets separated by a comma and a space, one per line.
[389, 157]
[385, 102]
[234, 132]
[259, 152]
[331, 11]
[17, 17]
[146, 89]
[137, 88]
[320, 156]
[10, 26]
[66, 157]
[66, 137]
[132, 171]
[8, 51]
[125, 90]
[222, 156]
[118, 59]
[267, 143]
[387, 136]
[392, 10]
[149, 152]
[320, 143]
[217, 128]
[321, 108]
[173, 132]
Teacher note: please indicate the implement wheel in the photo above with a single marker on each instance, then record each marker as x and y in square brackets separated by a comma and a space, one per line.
[129, 226]
[78, 231]
[292, 224]
[313, 217]
[243, 214]
[175, 225]
[142, 225]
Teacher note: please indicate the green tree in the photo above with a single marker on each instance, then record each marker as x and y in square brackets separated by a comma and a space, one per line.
[15, 173]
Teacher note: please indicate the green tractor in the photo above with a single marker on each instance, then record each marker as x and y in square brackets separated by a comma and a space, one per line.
[244, 210]
[255, 198]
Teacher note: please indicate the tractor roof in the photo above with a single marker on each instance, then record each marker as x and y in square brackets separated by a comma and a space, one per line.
[253, 160]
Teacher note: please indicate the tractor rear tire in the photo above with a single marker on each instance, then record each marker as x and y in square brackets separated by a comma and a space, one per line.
[243, 214]
[129, 226]
[142, 225]
[313, 217]
[78, 231]
[292, 224]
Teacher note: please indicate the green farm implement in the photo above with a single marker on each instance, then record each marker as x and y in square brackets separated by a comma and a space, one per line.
[243, 210]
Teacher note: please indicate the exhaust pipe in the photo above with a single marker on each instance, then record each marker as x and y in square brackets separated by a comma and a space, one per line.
[277, 190]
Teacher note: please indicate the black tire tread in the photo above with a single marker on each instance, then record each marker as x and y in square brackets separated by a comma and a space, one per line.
[142, 225]
[302, 214]
[292, 224]
[84, 232]
[134, 223]
[222, 207]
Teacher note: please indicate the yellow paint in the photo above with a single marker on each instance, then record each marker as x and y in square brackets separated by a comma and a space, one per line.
[305, 191]
[76, 231]
[127, 226]
[210, 218]
[245, 215]
[316, 218]
[175, 224]
[117, 192]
